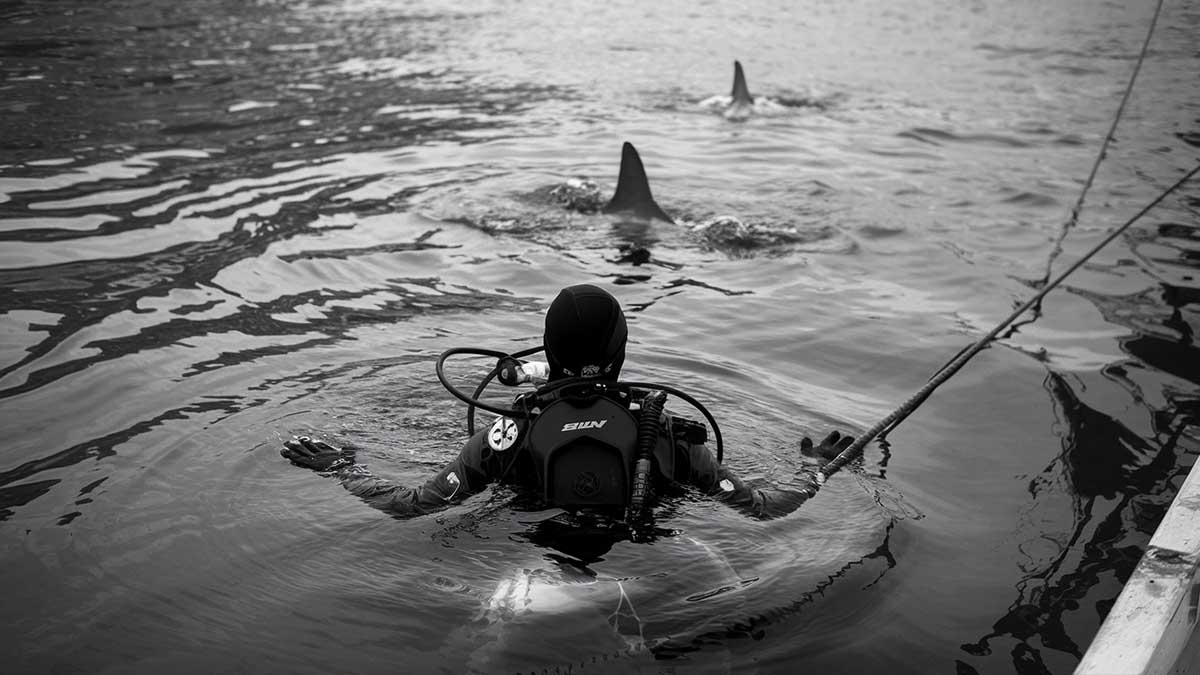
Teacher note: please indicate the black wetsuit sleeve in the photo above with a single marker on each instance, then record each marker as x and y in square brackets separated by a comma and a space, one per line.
[469, 473]
[702, 471]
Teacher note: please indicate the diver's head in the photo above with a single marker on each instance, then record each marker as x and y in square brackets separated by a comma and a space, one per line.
[585, 334]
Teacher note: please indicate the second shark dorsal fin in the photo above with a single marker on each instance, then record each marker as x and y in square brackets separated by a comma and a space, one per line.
[740, 93]
[633, 189]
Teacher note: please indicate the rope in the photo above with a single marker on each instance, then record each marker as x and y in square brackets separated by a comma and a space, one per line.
[1112, 130]
[1073, 219]
[908, 406]
[948, 370]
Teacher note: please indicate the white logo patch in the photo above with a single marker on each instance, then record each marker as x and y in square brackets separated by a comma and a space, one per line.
[727, 485]
[590, 371]
[587, 424]
[503, 434]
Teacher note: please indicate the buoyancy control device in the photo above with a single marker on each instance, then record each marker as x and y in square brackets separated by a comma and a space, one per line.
[593, 442]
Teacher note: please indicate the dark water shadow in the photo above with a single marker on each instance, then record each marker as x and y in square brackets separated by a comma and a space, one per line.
[1117, 482]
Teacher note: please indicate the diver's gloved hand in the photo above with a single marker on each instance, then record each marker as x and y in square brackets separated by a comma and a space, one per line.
[831, 447]
[316, 455]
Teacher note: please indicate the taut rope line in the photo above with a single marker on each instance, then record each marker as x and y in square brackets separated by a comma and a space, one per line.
[1112, 130]
[905, 409]
[944, 374]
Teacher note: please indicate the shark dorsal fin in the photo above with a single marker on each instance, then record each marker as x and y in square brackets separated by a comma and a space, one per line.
[633, 189]
[740, 93]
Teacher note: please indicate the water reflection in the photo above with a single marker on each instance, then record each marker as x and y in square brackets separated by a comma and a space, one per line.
[12, 496]
[1117, 484]
[270, 76]
[1099, 457]
[860, 573]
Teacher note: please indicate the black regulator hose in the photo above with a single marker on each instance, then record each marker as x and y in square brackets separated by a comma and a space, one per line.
[712, 422]
[440, 368]
[488, 380]
[647, 437]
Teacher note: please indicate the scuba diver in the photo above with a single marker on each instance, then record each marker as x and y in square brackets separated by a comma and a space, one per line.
[583, 441]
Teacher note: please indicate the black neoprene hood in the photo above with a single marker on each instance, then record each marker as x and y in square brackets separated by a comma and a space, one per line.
[585, 334]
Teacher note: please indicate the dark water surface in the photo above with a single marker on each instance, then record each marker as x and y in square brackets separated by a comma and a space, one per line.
[226, 223]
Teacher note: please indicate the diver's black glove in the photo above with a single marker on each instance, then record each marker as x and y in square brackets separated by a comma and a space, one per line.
[831, 447]
[316, 455]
